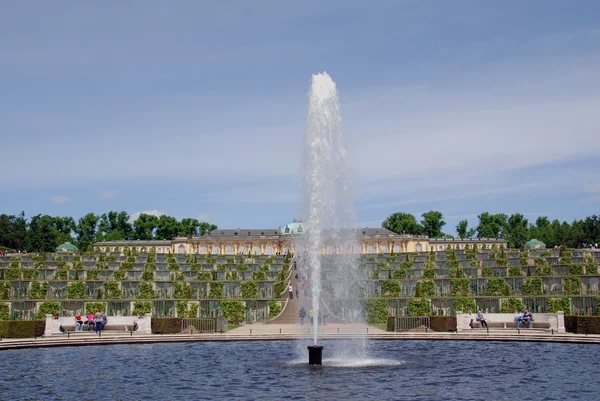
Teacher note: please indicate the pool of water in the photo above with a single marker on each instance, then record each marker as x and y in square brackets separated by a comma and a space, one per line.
[394, 370]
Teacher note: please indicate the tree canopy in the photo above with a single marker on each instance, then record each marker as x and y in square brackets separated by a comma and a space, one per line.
[45, 233]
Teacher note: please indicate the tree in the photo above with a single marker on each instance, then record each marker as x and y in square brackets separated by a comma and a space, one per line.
[491, 225]
[463, 231]
[189, 227]
[204, 228]
[42, 234]
[402, 223]
[517, 230]
[144, 226]
[168, 227]
[432, 222]
[86, 231]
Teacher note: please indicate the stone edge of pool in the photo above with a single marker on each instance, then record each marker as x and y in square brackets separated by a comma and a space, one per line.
[64, 341]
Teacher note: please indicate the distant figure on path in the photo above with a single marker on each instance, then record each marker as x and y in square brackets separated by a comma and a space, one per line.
[297, 292]
[302, 315]
[325, 316]
[291, 291]
[310, 314]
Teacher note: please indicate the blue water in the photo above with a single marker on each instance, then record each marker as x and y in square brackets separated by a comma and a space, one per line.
[397, 370]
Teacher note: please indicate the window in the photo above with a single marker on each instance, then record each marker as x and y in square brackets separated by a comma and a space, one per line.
[330, 250]
[181, 249]
[215, 250]
[203, 250]
[243, 249]
[256, 250]
[269, 250]
[418, 247]
[370, 249]
[384, 248]
[397, 248]
[229, 250]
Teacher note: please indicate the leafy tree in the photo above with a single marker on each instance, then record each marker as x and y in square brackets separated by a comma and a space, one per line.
[189, 227]
[205, 228]
[13, 231]
[167, 228]
[432, 222]
[491, 225]
[42, 234]
[463, 231]
[86, 230]
[403, 223]
[517, 230]
[144, 226]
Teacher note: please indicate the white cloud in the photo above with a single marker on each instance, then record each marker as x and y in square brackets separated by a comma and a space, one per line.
[135, 215]
[593, 189]
[60, 199]
[110, 193]
[206, 217]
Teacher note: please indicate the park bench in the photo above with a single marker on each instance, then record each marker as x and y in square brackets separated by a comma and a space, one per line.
[541, 321]
[115, 324]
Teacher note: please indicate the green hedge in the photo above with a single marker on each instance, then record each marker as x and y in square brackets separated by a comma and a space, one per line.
[234, 311]
[377, 311]
[22, 328]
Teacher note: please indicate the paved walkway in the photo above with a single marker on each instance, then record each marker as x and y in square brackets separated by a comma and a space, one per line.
[262, 332]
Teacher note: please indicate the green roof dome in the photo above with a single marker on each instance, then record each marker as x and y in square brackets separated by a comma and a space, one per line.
[66, 247]
[535, 244]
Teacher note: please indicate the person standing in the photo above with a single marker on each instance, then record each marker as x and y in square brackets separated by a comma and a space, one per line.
[291, 291]
[297, 291]
[470, 317]
[302, 315]
[310, 315]
[98, 320]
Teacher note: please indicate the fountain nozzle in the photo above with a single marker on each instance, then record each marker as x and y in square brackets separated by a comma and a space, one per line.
[315, 355]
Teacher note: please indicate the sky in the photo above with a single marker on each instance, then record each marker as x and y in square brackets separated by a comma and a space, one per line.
[198, 109]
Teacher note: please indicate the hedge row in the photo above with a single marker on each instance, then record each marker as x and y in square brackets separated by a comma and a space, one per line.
[22, 328]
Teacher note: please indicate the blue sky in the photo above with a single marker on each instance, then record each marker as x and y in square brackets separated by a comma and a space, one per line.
[197, 109]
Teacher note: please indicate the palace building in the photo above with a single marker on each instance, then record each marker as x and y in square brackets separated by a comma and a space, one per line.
[273, 241]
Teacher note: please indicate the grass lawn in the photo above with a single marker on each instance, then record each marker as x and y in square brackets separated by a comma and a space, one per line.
[233, 326]
[382, 326]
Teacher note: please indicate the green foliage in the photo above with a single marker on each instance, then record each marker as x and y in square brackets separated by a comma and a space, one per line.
[146, 291]
[408, 264]
[234, 311]
[559, 304]
[454, 264]
[120, 275]
[126, 266]
[275, 308]
[390, 288]
[566, 260]
[141, 308]
[544, 270]
[242, 268]
[93, 307]
[457, 272]
[278, 288]
[249, 289]
[47, 308]
[576, 270]
[12, 274]
[29, 274]
[148, 275]
[515, 271]
[497, 287]
[4, 286]
[76, 290]
[400, 274]
[464, 305]
[205, 276]
[61, 275]
[487, 272]
[403, 223]
[4, 311]
[377, 310]
[183, 310]
[175, 276]
[232, 275]
[77, 265]
[101, 265]
[259, 276]
[182, 291]
[195, 267]
[425, 288]
[112, 290]
[591, 267]
[429, 273]
[502, 262]
[38, 291]
[216, 289]
[510, 305]
[150, 266]
[460, 287]
[532, 286]
[419, 307]
[173, 266]
[572, 285]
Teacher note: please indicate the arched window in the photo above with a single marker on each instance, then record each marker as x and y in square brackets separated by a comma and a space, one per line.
[269, 250]
[370, 249]
[203, 250]
[181, 249]
[418, 247]
[215, 250]
[229, 250]
[256, 250]
[397, 248]
[243, 249]
[384, 248]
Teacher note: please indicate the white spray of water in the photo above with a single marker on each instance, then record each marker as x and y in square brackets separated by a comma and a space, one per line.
[327, 195]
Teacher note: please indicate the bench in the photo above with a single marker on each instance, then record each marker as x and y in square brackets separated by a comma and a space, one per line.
[546, 321]
[115, 324]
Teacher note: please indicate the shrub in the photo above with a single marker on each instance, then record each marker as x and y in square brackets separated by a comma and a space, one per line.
[460, 287]
[126, 266]
[4, 312]
[61, 275]
[148, 275]
[502, 262]
[591, 267]
[249, 289]
[232, 275]
[425, 288]
[91, 274]
[182, 291]
[173, 266]
[47, 308]
[559, 304]
[497, 287]
[38, 291]
[12, 274]
[377, 310]
[101, 265]
[400, 274]
[275, 308]
[487, 272]
[259, 276]
[390, 288]
[195, 267]
[515, 271]
[278, 288]
[143, 307]
[205, 276]
[464, 305]
[510, 305]
[457, 272]
[120, 275]
[419, 307]
[572, 285]
[29, 274]
[146, 291]
[112, 290]
[532, 286]
[216, 289]
[93, 307]
[234, 311]
[76, 290]
[543, 270]
[576, 270]
[428, 273]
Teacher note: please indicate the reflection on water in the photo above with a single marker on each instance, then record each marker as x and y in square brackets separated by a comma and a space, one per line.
[398, 370]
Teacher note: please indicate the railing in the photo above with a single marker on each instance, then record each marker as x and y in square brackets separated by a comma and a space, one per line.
[406, 323]
[204, 325]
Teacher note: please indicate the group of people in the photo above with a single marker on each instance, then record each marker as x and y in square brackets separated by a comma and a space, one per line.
[321, 319]
[524, 318]
[95, 321]
[7, 253]
[480, 318]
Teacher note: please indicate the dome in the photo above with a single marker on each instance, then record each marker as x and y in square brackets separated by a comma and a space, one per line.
[66, 247]
[535, 244]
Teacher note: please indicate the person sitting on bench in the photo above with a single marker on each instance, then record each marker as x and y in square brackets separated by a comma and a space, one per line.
[481, 319]
[518, 318]
[527, 318]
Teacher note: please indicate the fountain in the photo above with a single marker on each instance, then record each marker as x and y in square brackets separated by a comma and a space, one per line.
[327, 199]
